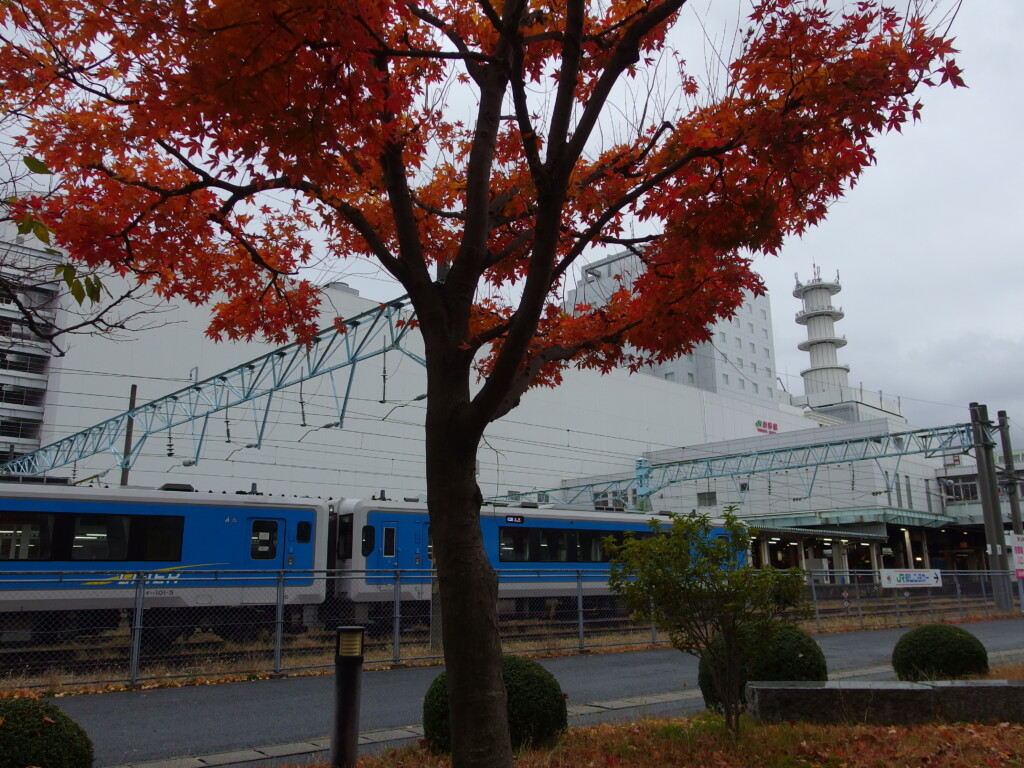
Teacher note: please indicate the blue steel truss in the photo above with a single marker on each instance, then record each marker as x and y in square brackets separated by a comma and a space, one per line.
[631, 492]
[364, 336]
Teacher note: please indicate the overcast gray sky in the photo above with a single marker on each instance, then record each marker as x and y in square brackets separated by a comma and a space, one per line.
[929, 247]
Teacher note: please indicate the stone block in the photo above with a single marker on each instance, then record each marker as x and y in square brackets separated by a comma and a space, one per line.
[887, 703]
[879, 703]
[980, 701]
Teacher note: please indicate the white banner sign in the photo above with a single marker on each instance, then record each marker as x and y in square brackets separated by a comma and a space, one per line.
[1017, 552]
[896, 578]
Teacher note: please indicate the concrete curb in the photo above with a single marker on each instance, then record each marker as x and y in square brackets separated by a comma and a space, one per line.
[370, 741]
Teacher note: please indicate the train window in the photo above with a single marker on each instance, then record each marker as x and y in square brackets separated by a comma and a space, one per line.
[126, 537]
[25, 536]
[304, 532]
[592, 546]
[100, 537]
[513, 544]
[97, 538]
[154, 537]
[556, 546]
[369, 540]
[536, 545]
[389, 541]
[345, 537]
[263, 544]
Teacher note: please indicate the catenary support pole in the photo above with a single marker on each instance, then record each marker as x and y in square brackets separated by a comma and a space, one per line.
[995, 539]
[129, 427]
[1010, 482]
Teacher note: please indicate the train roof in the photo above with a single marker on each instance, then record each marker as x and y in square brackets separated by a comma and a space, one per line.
[118, 494]
[534, 512]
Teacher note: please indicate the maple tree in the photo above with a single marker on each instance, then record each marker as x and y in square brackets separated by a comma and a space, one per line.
[36, 279]
[478, 151]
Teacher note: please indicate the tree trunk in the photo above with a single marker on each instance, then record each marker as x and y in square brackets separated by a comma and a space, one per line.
[469, 590]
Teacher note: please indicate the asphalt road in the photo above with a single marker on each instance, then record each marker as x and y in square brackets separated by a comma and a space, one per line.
[138, 726]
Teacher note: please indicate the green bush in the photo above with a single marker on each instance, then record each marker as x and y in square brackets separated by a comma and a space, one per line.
[536, 706]
[36, 733]
[938, 652]
[788, 653]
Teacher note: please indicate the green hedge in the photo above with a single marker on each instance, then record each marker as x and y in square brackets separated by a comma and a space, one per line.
[938, 652]
[36, 733]
[788, 653]
[537, 712]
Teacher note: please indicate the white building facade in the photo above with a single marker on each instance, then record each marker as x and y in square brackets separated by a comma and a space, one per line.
[738, 363]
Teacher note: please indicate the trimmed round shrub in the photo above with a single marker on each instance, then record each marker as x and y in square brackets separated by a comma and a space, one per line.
[938, 652]
[788, 653]
[39, 734]
[537, 713]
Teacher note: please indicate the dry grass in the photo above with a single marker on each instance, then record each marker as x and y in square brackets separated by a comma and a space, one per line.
[1007, 672]
[702, 742]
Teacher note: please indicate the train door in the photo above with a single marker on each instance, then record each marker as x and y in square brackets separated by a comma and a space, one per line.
[267, 543]
[389, 545]
[422, 560]
[266, 551]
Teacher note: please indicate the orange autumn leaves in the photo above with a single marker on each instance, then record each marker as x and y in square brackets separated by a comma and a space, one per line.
[216, 148]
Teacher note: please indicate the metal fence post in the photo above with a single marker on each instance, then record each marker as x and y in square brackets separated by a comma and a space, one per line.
[435, 612]
[654, 627]
[396, 623]
[279, 623]
[856, 596]
[814, 600]
[959, 602]
[140, 596]
[579, 610]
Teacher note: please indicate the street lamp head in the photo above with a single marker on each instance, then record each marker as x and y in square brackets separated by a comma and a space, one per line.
[350, 642]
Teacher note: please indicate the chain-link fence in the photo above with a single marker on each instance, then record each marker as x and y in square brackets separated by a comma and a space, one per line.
[59, 628]
[862, 600]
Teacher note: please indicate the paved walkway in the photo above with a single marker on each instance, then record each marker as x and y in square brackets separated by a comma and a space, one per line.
[373, 741]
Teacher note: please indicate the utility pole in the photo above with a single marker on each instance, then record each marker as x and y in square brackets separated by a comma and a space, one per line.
[1010, 482]
[128, 435]
[988, 493]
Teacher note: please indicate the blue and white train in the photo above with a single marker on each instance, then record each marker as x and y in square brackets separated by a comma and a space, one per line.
[70, 559]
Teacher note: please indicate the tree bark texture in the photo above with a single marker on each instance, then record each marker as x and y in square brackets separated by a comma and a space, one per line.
[468, 584]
